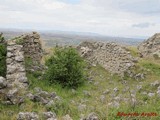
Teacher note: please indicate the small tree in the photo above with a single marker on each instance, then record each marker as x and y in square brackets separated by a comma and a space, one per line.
[65, 67]
[3, 52]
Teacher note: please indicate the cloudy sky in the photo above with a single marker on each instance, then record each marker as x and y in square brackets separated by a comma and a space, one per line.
[127, 18]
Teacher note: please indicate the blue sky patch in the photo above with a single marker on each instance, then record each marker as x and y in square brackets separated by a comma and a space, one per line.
[70, 1]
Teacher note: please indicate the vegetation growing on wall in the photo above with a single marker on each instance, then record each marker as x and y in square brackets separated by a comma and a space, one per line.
[3, 52]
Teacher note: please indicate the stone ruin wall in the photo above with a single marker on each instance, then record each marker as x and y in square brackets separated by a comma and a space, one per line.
[111, 56]
[18, 49]
[150, 47]
[16, 75]
[32, 47]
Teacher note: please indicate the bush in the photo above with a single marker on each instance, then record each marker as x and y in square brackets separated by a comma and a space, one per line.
[1, 38]
[65, 67]
[3, 52]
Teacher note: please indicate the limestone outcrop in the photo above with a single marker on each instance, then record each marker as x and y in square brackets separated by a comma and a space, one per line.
[111, 56]
[150, 47]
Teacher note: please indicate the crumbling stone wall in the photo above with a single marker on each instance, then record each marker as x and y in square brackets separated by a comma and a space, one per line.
[33, 51]
[111, 56]
[16, 75]
[32, 47]
[150, 47]
[19, 49]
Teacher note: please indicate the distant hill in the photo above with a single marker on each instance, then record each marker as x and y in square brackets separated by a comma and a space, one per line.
[51, 38]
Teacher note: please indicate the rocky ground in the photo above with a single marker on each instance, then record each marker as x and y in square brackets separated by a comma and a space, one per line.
[103, 95]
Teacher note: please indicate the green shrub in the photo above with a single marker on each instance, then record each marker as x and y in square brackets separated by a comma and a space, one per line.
[1, 38]
[3, 52]
[65, 67]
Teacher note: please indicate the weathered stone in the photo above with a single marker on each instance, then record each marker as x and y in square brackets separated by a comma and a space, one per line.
[139, 76]
[36, 35]
[13, 92]
[155, 84]
[37, 40]
[115, 89]
[3, 82]
[11, 69]
[44, 94]
[102, 98]
[106, 91]
[37, 89]
[27, 116]
[139, 87]
[10, 48]
[57, 98]
[158, 93]
[13, 98]
[30, 96]
[50, 103]
[19, 58]
[151, 94]
[43, 97]
[67, 117]
[81, 107]
[53, 95]
[133, 101]
[49, 116]
[114, 104]
[117, 98]
[92, 116]
[9, 54]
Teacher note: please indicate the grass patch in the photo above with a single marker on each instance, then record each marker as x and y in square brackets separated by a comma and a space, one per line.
[154, 68]
[133, 50]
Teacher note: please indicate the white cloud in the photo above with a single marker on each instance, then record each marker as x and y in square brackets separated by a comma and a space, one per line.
[109, 17]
